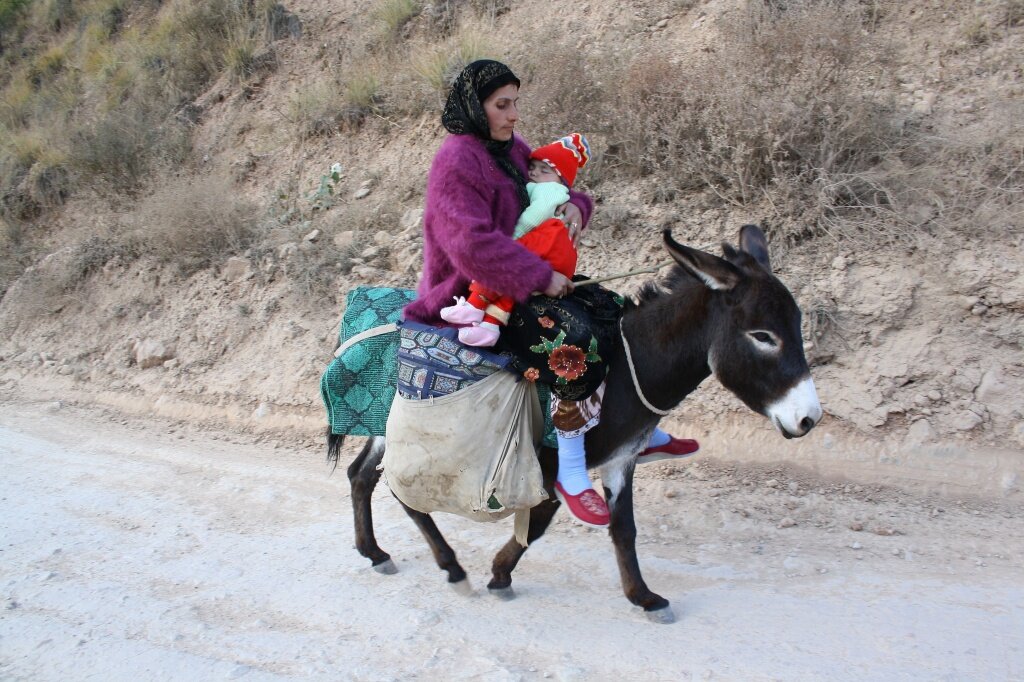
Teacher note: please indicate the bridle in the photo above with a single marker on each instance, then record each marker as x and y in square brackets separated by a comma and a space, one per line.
[632, 373]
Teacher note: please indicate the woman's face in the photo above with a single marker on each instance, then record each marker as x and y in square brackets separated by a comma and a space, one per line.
[502, 114]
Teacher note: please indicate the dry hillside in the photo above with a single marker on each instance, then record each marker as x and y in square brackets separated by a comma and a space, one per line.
[175, 241]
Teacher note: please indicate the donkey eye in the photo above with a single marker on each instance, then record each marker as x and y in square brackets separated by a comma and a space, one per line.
[765, 340]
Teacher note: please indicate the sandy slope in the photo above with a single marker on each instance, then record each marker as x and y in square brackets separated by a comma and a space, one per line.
[173, 554]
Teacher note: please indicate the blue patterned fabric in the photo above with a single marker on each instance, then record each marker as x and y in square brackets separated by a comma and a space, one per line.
[432, 363]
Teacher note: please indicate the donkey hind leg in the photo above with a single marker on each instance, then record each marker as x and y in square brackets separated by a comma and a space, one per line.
[444, 555]
[363, 476]
[506, 559]
[617, 476]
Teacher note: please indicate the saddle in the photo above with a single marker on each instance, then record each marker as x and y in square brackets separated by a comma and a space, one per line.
[359, 385]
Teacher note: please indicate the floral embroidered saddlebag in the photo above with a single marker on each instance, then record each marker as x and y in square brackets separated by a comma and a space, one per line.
[564, 342]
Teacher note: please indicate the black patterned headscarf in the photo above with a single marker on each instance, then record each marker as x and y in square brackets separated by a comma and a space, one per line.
[464, 114]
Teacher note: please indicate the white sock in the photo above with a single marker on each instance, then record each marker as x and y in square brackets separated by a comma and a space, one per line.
[659, 437]
[572, 465]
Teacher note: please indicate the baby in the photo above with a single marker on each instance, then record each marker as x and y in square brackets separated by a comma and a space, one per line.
[552, 171]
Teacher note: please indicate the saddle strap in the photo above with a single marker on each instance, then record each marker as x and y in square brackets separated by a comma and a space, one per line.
[521, 527]
[363, 335]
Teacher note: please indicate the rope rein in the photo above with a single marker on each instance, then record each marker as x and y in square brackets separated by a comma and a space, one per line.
[596, 280]
[632, 373]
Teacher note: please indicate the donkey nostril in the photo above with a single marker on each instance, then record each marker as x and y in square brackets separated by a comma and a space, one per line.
[806, 424]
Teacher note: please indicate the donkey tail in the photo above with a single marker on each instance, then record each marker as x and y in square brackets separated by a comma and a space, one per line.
[334, 443]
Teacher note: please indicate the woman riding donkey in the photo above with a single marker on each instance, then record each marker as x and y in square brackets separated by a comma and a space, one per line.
[476, 191]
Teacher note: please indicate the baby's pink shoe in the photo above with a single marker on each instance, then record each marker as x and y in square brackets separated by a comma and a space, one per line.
[480, 335]
[461, 313]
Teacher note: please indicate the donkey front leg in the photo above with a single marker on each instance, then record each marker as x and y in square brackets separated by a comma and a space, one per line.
[505, 560]
[617, 477]
[508, 557]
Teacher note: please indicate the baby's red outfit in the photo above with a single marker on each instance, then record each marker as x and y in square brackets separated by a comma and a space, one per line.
[549, 240]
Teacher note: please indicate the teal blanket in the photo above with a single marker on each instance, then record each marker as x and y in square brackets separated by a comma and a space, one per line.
[358, 387]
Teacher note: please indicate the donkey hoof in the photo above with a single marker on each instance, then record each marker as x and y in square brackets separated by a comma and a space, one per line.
[462, 588]
[663, 616]
[386, 567]
[502, 593]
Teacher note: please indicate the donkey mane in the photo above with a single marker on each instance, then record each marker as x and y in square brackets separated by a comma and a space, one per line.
[656, 289]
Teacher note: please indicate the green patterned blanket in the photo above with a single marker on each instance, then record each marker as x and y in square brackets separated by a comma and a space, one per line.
[358, 387]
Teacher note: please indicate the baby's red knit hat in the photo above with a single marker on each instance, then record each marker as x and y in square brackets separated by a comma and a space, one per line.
[566, 155]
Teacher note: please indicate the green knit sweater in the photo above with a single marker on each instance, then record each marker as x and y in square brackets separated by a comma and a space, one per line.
[545, 197]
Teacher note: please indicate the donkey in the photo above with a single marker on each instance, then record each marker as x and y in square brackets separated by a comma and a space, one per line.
[726, 316]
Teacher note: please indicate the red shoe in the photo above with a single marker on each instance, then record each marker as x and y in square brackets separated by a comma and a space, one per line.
[588, 507]
[677, 448]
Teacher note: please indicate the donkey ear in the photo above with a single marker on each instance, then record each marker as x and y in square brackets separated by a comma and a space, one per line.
[752, 240]
[717, 273]
[730, 252]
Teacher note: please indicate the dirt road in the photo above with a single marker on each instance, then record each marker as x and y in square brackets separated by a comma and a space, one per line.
[163, 552]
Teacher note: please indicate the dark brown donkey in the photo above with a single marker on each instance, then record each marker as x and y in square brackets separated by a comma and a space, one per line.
[724, 316]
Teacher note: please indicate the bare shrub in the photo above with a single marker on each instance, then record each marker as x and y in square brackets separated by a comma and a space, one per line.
[753, 111]
[562, 99]
[791, 101]
[443, 15]
[981, 168]
[92, 253]
[121, 147]
[313, 109]
[196, 223]
[14, 252]
[1013, 12]
[313, 271]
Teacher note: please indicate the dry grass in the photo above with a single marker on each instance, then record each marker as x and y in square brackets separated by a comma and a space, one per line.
[313, 108]
[103, 96]
[421, 82]
[195, 223]
[750, 122]
[395, 14]
[120, 150]
[34, 177]
[361, 97]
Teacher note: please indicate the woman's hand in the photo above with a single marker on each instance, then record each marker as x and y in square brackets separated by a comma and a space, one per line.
[560, 285]
[573, 218]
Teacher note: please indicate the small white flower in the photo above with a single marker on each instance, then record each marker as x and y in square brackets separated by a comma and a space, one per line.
[336, 168]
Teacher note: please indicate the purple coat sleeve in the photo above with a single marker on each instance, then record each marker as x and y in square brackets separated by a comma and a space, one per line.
[473, 239]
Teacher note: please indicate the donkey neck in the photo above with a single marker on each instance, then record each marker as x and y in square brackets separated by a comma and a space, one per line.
[669, 338]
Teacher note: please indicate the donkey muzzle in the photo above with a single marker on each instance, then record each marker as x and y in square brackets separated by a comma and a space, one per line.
[798, 411]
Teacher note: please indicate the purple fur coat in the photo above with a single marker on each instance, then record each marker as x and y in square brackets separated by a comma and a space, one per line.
[470, 214]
